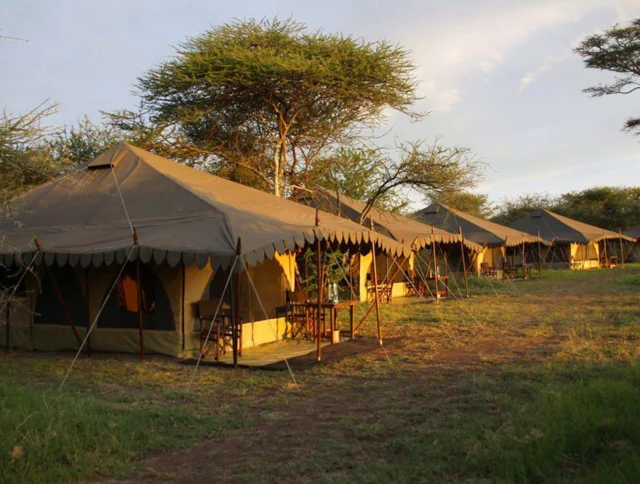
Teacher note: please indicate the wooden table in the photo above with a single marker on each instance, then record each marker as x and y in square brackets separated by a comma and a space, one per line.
[443, 282]
[333, 308]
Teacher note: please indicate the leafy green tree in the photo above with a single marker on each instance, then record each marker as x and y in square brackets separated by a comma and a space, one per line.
[512, 209]
[271, 97]
[25, 160]
[78, 144]
[356, 173]
[611, 208]
[616, 50]
[379, 177]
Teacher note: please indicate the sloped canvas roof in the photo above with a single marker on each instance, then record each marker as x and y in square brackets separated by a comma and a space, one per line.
[474, 228]
[402, 229]
[180, 214]
[563, 229]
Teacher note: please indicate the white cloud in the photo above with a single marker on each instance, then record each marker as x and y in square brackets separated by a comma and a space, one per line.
[532, 76]
[480, 41]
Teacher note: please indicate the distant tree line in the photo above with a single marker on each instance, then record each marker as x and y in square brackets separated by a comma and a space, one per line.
[613, 208]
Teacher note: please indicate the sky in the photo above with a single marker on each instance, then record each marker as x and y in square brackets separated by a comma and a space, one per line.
[498, 77]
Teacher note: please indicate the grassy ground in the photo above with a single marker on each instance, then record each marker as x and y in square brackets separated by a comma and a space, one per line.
[535, 381]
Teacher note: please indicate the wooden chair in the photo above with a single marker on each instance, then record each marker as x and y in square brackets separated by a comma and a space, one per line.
[222, 332]
[413, 283]
[384, 292]
[297, 312]
[488, 271]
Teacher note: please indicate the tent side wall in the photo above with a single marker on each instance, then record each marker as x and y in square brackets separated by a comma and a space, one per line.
[494, 256]
[585, 256]
[386, 267]
[271, 278]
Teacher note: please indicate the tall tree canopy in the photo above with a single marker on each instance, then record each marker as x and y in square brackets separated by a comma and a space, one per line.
[271, 97]
[25, 160]
[616, 50]
[472, 203]
[512, 209]
[377, 176]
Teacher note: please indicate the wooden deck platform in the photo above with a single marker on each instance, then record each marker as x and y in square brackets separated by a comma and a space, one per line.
[301, 354]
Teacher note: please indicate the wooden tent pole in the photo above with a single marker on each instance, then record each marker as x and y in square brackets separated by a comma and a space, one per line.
[86, 295]
[353, 296]
[524, 259]
[375, 279]
[320, 283]
[235, 328]
[606, 262]
[621, 248]
[182, 297]
[539, 255]
[435, 263]
[464, 263]
[7, 315]
[136, 242]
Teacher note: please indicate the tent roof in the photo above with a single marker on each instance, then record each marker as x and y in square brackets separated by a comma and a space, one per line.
[563, 229]
[403, 229]
[180, 214]
[474, 228]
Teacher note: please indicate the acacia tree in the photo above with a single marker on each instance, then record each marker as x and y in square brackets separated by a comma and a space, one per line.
[24, 160]
[378, 176]
[616, 50]
[271, 97]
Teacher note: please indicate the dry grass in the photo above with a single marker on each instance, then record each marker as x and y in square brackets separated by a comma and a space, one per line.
[537, 382]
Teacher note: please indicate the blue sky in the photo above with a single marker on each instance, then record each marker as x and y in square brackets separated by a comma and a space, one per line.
[498, 77]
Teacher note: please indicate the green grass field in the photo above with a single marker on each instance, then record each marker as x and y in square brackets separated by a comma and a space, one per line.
[535, 381]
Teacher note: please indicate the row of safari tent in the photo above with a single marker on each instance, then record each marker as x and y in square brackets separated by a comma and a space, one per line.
[135, 253]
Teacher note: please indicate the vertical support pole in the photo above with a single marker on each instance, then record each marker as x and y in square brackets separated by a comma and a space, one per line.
[320, 284]
[7, 315]
[353, 296]
[182, 293]
[435, 263]
[139, 285]
[235, 328]
[464, 263]
[621, 248]
[87, 291]
[524, 259]
[606, 257]
[375, 279]
[539, 255]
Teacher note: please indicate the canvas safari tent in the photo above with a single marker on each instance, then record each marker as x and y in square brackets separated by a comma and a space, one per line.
[575, 244]
[501, 246]
[415, 235]
[131, 216]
